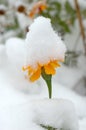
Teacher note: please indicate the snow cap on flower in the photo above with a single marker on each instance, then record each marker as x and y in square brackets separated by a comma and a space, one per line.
[43, 44]
[44, 49]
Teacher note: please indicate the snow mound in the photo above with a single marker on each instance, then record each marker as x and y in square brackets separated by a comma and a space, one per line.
[57, 113]
[15, 50]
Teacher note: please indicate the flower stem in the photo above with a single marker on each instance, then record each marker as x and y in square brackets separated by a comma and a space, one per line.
[48, 80]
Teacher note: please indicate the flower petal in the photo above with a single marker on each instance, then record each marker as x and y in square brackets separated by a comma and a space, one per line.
[42, 7]
[35, 75]
[31, 71]
[25, 68]
[49, 69]
[55, 64]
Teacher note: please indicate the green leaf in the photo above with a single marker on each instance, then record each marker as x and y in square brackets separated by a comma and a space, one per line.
[56, 5]
[64, 26]
[69, 8]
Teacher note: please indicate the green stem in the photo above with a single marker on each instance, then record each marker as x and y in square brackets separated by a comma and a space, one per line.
[48, 80]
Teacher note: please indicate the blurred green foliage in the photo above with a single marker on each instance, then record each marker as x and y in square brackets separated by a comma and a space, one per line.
[61, 15]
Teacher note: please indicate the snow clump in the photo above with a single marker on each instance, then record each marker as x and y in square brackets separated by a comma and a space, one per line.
[43, 44]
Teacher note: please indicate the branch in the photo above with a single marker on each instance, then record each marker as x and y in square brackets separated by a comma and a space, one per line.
[81, 24]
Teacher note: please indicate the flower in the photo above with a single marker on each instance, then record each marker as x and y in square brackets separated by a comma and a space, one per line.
[37, 8]
[2, 10]
[21, 9]
[35, 73]
[44, 49]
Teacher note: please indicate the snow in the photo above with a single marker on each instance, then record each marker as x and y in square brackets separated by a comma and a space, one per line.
[2, 7]
[82, 124]
[15, 48]
[2, 53]
[74, 75]
[26, 21]
[12, 2]
[17, 107]
[24, 105]
[51, 111]
[16, 112]
[60, 91]
[8, 35]
[48, 39]
[19, 3]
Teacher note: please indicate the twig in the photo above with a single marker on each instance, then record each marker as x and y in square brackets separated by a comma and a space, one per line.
[81, 24]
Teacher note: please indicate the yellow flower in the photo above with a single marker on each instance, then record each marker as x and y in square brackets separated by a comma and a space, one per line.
[35, 74]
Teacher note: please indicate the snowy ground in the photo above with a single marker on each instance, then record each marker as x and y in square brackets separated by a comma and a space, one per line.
[17, 97]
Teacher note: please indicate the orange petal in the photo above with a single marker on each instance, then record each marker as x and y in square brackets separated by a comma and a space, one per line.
[39, 6]
[55, 64]
[25, 68]
[35, 75]
[49, 69]
[31, 14]
[42, 7]
[31, 70]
